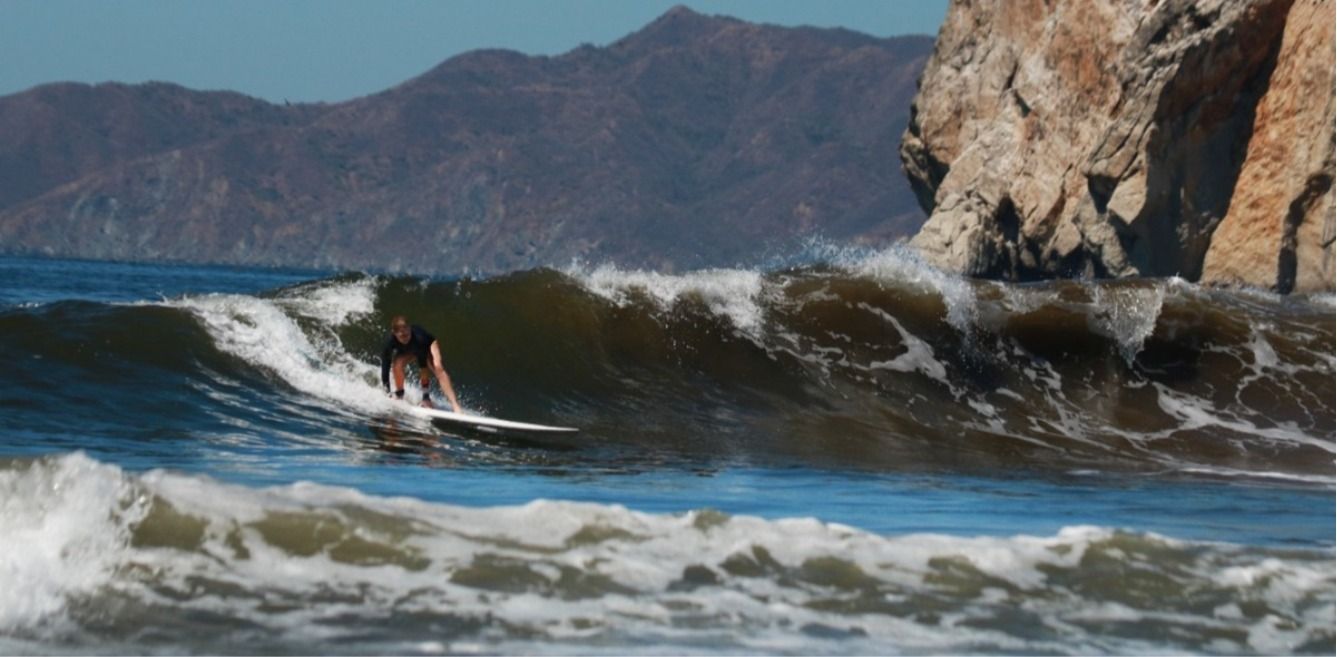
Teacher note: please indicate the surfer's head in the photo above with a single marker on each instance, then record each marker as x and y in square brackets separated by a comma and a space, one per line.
[399, 327]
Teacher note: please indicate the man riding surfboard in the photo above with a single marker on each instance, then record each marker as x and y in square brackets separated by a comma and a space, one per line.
[408, 342]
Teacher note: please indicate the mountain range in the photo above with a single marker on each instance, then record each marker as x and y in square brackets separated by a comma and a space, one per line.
[696, 141]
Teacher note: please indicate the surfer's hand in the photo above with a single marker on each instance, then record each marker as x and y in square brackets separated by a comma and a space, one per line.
[456, 408]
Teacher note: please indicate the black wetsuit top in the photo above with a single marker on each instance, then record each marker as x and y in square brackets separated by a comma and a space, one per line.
[420, 345]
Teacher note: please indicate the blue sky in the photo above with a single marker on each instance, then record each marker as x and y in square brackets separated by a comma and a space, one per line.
[332, 50]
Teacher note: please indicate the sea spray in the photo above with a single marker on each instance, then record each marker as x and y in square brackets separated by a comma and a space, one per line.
[1126, 314]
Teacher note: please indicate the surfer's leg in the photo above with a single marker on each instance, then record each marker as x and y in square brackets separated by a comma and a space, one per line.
[424, 375]
[442, 378]
[425, 381]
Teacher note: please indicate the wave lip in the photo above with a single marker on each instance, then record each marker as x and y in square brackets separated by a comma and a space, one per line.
[118, 556]
[732, 293]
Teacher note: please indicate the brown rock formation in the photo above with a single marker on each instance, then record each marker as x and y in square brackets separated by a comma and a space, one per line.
[1110, 138]
[697, 141]
[1278, 232]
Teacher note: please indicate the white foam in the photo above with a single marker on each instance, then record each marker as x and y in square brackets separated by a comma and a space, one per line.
[333, 305]
[900, 265]
[1265, 361]
[918, 356]
[1326, 301]
[1195, 413]
[1022, 299]
[1265, 365]
[260, 333]
[79, 543]
[1259, 474]
[733, 293]
[64, 528]
[1126, 314]
[265, 334]
[1280, 584]
[1264, 356]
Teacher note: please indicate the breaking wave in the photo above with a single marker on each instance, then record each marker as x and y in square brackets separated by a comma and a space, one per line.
[876, 362]
[112, 559]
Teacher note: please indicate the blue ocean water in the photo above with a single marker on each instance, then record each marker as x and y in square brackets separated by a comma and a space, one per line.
[236, 380]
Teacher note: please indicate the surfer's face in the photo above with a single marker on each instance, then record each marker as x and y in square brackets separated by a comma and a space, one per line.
[401, 333]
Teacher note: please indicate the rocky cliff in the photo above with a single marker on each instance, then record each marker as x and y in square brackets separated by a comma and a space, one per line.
[1129, 137]
[697, 141]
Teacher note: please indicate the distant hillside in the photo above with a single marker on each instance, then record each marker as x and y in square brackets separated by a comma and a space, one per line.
[696, 141]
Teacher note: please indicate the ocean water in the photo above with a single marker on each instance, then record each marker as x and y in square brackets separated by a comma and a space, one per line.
[857, 456]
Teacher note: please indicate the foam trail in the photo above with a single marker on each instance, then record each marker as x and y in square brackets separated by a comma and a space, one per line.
[1196, 413]
[918, 355]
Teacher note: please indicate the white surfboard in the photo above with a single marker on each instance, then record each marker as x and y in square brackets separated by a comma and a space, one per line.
[486, 424]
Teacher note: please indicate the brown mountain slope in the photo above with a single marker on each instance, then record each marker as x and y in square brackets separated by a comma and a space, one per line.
[696, 141]
[57, 133]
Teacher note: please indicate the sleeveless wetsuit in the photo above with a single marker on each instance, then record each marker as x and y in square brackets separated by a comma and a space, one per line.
[420, 345]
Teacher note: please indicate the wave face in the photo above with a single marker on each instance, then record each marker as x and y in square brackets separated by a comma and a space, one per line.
[117, 562]
[874, 363]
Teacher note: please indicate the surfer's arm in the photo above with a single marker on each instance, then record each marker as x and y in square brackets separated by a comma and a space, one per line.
[387, 355]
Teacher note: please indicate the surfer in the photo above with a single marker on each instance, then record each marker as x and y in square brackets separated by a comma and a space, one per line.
[408, 342]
